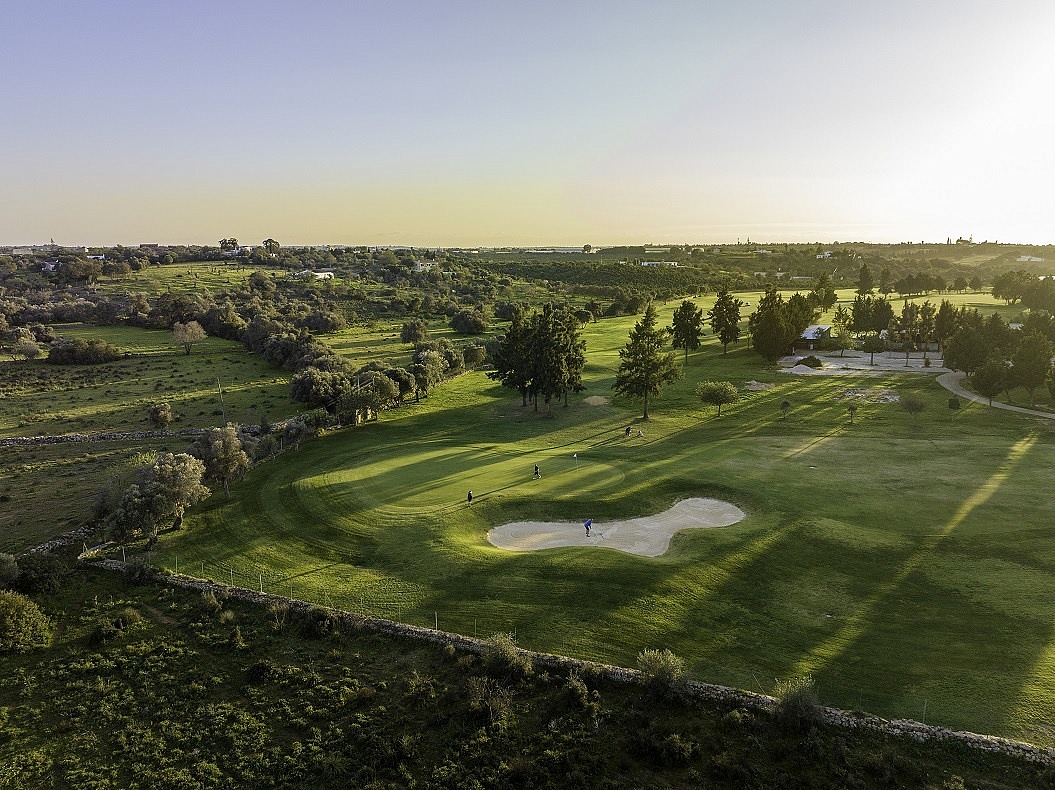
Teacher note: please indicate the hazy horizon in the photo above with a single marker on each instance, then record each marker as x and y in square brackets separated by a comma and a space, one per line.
[463, 124]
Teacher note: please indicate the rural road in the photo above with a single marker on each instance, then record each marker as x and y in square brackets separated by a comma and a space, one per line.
[951, 382]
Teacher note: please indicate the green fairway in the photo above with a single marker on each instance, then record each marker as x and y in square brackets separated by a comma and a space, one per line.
[906, 562]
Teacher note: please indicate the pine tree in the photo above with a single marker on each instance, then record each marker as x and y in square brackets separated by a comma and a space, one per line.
[865, 283]
[686, 327]
[725, 319]
[771, 332]
[644, 368]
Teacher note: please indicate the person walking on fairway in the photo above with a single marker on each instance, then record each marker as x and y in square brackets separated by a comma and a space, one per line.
[588, 523]
[628, 432]
[470, 498]
[538, 474]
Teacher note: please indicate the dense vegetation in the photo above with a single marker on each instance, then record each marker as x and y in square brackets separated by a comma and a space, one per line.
[147, 687]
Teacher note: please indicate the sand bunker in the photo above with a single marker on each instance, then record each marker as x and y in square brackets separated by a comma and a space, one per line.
[648, 536]
[595, 400]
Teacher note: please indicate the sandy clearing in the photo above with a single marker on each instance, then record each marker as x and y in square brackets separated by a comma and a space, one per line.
[595, 400]
[647, 536]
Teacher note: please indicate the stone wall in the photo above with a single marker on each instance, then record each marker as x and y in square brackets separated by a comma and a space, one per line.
[704, 691]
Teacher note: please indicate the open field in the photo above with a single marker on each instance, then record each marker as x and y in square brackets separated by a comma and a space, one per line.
[214, 276]
[49, 489]
[40, 399]
[906, 563]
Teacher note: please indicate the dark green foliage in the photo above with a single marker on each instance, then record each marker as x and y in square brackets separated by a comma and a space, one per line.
[811, 362]
[77, 351]
[39, 574]
[170, 703]
[318, 623]
[504, 659]
[772, 332]
[990, 379]
[23, 625]
[686, 327]
[724, 318]
[644, 368]
[469, 322]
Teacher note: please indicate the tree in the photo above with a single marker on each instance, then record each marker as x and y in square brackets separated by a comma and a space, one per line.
[8, 570]
[271, 246]
[719, 393]
[164, 490]
[416, 331]
[785, 407]
[872, 345]
[851, 409]
[990, 379]
[966, 350]
[1031, 362]
[823, 294]
[865, 283]
[885, 283]
[841, 337]
[644, 369]
[224, 458]
[179, 478]
[976, 283]
[686, 327]
[23, 624]
[161, 415]
[725, 318]
[474, 355]
[469, 322]
[771, 332]
[187, 334]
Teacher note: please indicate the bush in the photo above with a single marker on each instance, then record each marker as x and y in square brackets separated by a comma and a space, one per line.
[798, 707]
[318, 623]
[912, 404]
[811, 361]
[954, 403]
[23, 625]
[661, 669]
[138, 572]
[504, 657]
[39, 574]
[469, 322]
[8, 570]
[76, 351]
[262, 671]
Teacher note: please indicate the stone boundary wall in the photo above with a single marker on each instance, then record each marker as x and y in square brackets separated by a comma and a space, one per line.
[63, 438]
[902, 728]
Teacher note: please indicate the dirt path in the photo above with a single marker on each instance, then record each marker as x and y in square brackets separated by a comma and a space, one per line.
[951, 382]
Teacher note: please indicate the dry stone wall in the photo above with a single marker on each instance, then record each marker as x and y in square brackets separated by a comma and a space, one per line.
[704, 691]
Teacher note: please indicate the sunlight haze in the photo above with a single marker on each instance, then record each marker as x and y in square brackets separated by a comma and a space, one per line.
[472, 123]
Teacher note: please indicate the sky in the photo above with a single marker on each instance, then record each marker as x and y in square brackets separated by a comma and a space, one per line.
[493, 123]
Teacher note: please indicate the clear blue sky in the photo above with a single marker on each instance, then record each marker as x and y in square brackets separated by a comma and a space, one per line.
[464, 123]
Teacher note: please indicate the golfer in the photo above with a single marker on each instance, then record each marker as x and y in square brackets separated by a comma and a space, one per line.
[628, 432]
[538, 474]
[588, 523]
[470, 498]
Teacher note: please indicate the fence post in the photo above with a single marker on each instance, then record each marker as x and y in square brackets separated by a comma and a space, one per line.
[924, 712]
[175, 557]
[437, 614]
[261, 581]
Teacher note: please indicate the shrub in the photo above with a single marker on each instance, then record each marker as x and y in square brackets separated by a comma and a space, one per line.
[76, 351]
[798, 707]
[912, 405]
[39, 574]
[23, 625]
[954, 403]
[8, 569]
[469, 322]
[504, 657]
[487, 695]
[138, 572]
[318, 623]
[262, 671]
[661, 669]
[811, 361]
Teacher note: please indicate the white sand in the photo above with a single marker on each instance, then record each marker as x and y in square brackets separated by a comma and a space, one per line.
[648, 536]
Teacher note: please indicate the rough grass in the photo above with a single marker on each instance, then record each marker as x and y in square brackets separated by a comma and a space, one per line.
[40, 399]
[859, 562]
[152, 687]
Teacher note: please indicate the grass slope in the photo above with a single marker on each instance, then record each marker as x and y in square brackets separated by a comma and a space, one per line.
[906, 563]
